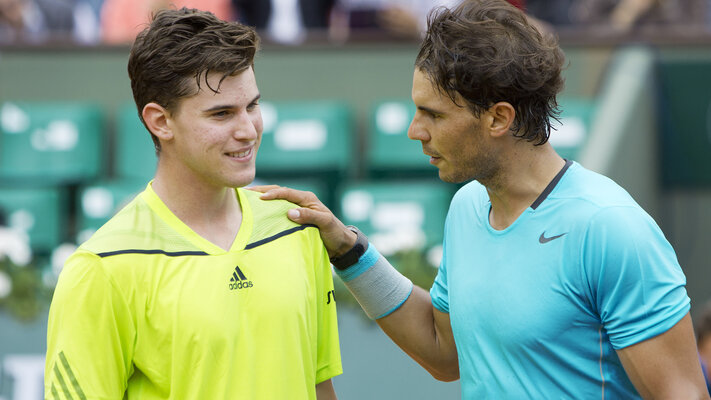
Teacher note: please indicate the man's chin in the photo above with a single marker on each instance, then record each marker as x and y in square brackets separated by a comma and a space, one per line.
[449, 178]
[243, 181]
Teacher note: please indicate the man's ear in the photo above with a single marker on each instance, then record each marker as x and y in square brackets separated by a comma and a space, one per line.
[156, 118]
[502, 117]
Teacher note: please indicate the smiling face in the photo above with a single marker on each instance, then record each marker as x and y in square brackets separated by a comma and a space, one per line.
[455, 139]
[214, 137]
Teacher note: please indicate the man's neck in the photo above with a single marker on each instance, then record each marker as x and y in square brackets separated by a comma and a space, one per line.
[212, 212]
[521, 182]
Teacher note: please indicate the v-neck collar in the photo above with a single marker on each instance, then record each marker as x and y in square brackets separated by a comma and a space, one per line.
[547, 191]
[240, 241]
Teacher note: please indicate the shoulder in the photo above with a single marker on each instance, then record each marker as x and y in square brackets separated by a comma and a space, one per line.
[583, 195]
[83, 269]
[613, 221]
[591, 187]
[137, 226]
[267, 209]
[269, 216]
[119, 228]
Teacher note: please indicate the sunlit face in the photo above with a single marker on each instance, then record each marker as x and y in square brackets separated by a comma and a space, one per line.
[216, 135]
[451, 135]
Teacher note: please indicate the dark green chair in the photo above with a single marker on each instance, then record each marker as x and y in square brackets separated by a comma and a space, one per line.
[50, 142]
[390, 153]
[312, 135]
[398, 215]
[135, 155]
[576, 118]
[39, 212]
[312, 139]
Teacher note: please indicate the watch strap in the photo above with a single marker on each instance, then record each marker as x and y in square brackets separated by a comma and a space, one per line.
[354, 253]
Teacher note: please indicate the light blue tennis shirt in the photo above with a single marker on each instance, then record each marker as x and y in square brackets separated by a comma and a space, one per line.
[538, 309]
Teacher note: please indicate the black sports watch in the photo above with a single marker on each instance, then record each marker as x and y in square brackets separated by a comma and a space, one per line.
[351, 256]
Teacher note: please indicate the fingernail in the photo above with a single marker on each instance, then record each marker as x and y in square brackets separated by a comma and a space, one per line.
[293, 214]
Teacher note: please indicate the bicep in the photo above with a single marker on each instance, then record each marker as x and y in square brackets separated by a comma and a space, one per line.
[425, 334]
[666, 366]
[445, 336]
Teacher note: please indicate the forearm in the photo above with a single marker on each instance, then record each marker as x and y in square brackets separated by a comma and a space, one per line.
[325, 391]
[404, 312]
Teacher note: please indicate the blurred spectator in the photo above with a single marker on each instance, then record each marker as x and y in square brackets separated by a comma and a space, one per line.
[617, 16]
[629, 14]
[703, 341]
[37, 21]
[554, 12]
[399, 18]
[121, 20]
[285, 21]
[86, 21]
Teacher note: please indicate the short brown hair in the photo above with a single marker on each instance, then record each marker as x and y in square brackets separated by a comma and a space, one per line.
[487, 51]
[180, 47]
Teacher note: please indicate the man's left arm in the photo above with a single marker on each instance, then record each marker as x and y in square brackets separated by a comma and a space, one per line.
[639, 293]
[328, 355]
[325, 391]
[666, 366]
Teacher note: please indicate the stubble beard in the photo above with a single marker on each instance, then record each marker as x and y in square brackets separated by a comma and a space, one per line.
[485, 169]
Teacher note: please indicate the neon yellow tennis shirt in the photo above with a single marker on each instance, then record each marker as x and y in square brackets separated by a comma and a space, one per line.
[148, 309]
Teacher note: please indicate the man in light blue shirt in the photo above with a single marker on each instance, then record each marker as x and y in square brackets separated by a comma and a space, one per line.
[539, 308]
[554, 283]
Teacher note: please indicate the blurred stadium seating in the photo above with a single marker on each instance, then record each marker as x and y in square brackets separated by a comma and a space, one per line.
[135, 156]
[40, 212]
[50, 142]
[307, 144]
[398, 215]
[390, 153]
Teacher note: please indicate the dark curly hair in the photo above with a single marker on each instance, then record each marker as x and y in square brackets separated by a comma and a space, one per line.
[180, 47]
[487, 51]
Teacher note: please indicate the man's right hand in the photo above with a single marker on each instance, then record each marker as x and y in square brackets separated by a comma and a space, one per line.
[336, 237]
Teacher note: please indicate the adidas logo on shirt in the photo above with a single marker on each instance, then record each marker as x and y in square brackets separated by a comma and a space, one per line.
[239, 281]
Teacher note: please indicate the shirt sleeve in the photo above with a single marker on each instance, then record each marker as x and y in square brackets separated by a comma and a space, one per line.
[439, 293]
[90, 334]
[636, 283]
[328, 347]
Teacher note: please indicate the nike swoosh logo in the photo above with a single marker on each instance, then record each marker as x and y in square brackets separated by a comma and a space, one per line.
[543, 239]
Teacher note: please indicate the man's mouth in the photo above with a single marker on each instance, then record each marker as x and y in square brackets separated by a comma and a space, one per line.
[240, 154]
